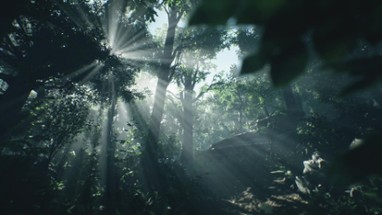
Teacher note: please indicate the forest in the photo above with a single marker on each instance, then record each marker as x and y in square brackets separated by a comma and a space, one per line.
[188, 107]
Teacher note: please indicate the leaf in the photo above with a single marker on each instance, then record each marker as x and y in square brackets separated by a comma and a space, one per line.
[259, 11]
[252, 63]
[360, 66]
[302, 185]
[358, 163]
[333, 51]
[334, 40]
[368, 69]
[336, 28]
[213, 12]
[289, 64]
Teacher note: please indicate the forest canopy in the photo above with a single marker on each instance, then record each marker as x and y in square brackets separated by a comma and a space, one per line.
[121, 107]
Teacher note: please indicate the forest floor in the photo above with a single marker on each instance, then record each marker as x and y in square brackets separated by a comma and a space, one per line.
[245, 183]
[247, 203]
[253, 201]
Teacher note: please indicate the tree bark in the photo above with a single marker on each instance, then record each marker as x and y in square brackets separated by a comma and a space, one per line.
[112, 180]
[157, 112]
[187, 155]
[292, 102]
[154, 176]
[287, 129]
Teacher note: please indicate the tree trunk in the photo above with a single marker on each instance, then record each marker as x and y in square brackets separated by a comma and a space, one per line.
[292, 102]
[187, 155]
[287, 129]
[157, 113]
[239, 127]
[112, 182]
[154, 176]
[163, 80]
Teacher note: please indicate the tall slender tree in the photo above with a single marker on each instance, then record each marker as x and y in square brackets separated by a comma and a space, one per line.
[192, 72]
[177, 41]
[188, 79]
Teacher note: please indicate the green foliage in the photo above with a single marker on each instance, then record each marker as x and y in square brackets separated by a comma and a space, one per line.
[247, 39]
[335, 29]
[206, 40]
[317, 133]
[54, 161]
[244, 11]
[367, 71]
[331, 29]
[215, 11]
[234, 106]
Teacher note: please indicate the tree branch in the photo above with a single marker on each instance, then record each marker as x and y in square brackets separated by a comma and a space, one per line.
[172, 72]
[166, 10]
[173, 95]
[177, 52]
[179, 15]
[195, 75]
[212, 86]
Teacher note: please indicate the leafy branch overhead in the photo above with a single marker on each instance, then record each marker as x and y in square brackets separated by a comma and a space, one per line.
[344, 36]
[334, 29]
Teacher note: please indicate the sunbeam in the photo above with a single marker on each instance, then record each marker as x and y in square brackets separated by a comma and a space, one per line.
[92, 73]
[124, 42]
[76, 14]
[110, 21]
[102, 160]
[100, 113]
[122, 38]
[82, 70]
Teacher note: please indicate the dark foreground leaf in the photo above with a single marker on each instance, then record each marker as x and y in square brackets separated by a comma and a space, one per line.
[359, 163]
[213, 12]
[252, 63]
[289, 64]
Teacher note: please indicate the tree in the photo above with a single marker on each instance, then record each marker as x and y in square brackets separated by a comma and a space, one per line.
[287, 40]
[21, 7]
[51, 124]
[170, 58]
[248, 40]
[63, 51]
[49, 40]
[165, 72]
[34, 52]
[235, 105]
[333, 41]
[192, 73]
